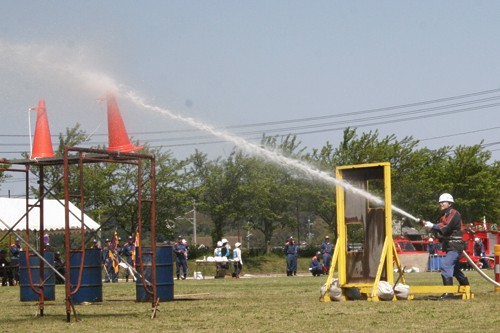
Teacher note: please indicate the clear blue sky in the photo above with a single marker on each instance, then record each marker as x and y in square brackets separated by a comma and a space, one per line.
[229, 63]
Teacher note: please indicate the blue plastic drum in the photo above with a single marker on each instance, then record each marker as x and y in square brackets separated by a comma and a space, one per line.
[91, 284]
[164, 274]
[27, 294]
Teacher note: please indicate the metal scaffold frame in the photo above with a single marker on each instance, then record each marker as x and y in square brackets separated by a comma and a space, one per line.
[79, 157]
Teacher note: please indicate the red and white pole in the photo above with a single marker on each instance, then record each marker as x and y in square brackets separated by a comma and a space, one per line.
[497, 266]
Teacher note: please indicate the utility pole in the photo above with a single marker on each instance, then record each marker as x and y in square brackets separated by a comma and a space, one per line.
[194, 223]
[309, 226]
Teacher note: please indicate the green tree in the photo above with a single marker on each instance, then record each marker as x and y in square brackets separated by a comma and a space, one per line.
[217, 188]
[269, 193]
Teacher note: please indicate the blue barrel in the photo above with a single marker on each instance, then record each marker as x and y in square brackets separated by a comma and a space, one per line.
[164, 274]
[27, 294]
[91, 283]
[435, 262]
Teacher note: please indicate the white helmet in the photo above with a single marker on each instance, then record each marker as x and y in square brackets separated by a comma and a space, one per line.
[446, 197]
[224, 241]
[431, 240]
[237, 245]
[219, 244]
[476, 239]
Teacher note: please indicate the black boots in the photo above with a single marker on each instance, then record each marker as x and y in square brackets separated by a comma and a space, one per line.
[447, 281]
[464, 282]
[294, 273]
[177, 276]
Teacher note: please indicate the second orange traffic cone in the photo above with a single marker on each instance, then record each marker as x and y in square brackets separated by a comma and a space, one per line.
[117, 134]
[42, 144]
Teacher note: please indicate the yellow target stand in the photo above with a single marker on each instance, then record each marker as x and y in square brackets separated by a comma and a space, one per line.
[359, 211]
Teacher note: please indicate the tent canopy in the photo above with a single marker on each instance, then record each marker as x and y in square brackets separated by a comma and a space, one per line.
[12, 209]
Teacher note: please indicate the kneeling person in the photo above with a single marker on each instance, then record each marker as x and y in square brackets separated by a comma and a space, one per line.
[316, 267]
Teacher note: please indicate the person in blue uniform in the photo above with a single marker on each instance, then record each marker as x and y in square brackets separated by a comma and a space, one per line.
[128, 251]
[480, 252]
[58, 264]
[15, 249]
[449, 230]
[108, 262]
[431, 247]
[292, 253]
[95, 245]
[315, 266]
[326, 251]
[180, 250]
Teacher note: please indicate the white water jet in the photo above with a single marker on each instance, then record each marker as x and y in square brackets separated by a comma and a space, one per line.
[267, 154]
[68, 66]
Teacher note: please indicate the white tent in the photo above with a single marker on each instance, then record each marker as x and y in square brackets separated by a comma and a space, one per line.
[11, 210]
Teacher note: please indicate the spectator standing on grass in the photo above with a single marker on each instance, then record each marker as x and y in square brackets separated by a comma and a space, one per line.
[326, 250]
[292, 253]
[238, 263]
[180, 250]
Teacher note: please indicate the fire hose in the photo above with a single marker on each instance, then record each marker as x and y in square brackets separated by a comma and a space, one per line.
[483, 274]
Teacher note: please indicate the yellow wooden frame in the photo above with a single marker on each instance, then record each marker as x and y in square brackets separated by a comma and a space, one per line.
[388, 252]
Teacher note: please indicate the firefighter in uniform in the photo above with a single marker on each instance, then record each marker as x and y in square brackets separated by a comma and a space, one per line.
[292, 252]
[449, 230]
[95, 245]
[108, 262]
[14, 258]
[128, 251]
[316, 267]
[180, 249]
[326, 251]
[480, 252]
[432, 248]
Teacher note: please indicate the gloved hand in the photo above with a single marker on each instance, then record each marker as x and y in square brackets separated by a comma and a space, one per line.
[428, 224]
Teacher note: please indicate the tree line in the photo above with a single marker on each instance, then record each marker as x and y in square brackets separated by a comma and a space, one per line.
[264, 196]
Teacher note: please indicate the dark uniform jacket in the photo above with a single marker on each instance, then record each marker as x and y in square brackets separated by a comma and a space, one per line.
[450, 230]
[291, 248]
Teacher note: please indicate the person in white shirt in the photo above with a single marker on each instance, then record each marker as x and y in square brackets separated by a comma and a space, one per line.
[217, 250]
[238, 263]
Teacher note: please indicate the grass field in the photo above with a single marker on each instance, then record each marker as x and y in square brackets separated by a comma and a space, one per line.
[260, 304]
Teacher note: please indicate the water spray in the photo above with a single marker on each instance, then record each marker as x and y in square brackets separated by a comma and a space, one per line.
[265, 153]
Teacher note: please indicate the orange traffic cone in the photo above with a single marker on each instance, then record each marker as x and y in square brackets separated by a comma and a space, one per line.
[117, 134]
[42, 144]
